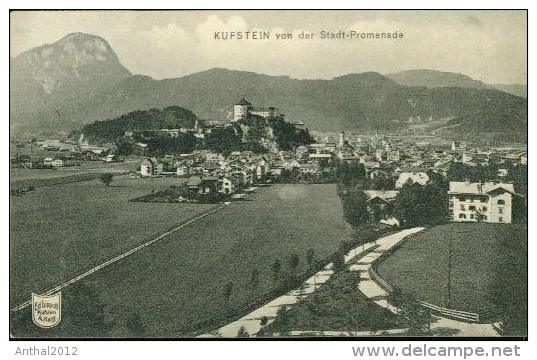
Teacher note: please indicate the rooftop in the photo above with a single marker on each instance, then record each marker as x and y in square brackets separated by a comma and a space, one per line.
[243, 101]
[463, 187]
[387, 195]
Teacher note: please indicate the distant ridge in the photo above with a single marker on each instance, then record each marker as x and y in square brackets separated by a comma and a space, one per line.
[433, 79]
[79, 79]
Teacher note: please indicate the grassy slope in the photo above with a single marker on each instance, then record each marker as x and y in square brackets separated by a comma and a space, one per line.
[180, 280]
[338, 305]
[58, 232]
[420, 265]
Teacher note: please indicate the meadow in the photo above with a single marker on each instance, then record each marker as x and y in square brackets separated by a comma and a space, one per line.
[480, 252]
[57, 232]
[181, 279]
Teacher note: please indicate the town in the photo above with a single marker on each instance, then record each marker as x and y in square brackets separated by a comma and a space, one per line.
[481, 180]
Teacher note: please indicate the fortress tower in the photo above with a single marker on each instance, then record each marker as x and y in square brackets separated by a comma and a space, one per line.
[240, 109]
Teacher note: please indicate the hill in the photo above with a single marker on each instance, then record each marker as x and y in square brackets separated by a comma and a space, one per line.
[516, 89]
[434, 79]
[252, 133]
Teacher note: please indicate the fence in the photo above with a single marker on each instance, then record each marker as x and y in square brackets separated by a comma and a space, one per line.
[450, 313]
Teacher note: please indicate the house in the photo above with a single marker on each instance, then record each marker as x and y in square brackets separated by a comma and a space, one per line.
[276, 168]
[393, 155]
[24, 161]
[150, 167]
[182, 169]
[413, 177]
[523, 158]
[209, 185]
[55, 161]
[458, 146]
[369, 166]
[380, 203]
[290, 164]
[322, 148]
[194, 185]
[210, 168]
[301, 150]
[312, 168]
[229, 185]
[467, 158]
[324, 158]
[214, 157]
[261, 168]
[346, 152]
[110, 158]
[489, 202]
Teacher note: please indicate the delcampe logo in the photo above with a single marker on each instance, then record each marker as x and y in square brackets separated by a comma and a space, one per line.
[47, 310]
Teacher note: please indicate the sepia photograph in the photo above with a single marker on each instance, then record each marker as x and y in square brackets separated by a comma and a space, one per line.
[268, 174]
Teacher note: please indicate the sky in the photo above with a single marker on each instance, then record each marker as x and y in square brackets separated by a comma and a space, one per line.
[490, 46]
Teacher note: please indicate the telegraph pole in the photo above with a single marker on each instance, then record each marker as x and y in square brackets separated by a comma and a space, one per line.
[449, 276]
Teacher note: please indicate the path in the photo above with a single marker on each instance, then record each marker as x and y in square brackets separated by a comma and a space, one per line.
[440, 326]
[252, 321]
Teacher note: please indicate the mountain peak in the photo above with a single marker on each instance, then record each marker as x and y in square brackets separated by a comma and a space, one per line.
[75, 58]
[85, 40]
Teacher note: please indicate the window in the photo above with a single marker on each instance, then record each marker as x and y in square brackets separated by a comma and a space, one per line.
[462, 216]
[501, 202]
[484, 208]
[484, 200]
[500, 219]
[471, 216]
[500, 210]
[462, 207]
[484, 217]
[471, 207]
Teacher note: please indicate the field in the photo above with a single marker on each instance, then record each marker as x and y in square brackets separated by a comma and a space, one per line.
[479, 255]
[60, 231]
[180, 280]
[24, 177]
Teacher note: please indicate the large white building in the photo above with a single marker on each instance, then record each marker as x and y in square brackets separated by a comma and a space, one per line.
[488, 202]
[244, 108]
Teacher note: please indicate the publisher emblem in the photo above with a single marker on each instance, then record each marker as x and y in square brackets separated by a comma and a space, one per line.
[47, 310]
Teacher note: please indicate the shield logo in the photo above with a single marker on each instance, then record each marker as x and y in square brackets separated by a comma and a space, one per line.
[47, 310]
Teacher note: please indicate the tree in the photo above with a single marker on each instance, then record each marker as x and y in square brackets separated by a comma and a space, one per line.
[310, 259]
[106, 178]
[355, 208]
[294, 260]
[282, 317]
[228, 289]
[338, 261]
[417, 317]
[124, 147]
[243, 333]
[421, 204]
[276, 268]
[254, 278]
